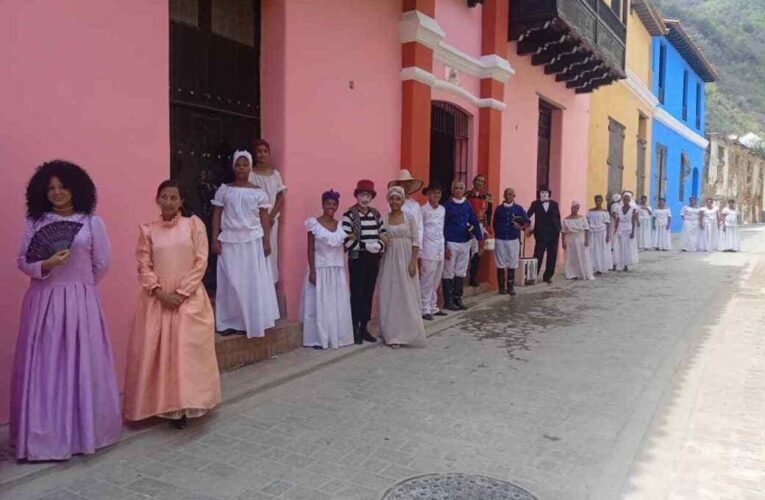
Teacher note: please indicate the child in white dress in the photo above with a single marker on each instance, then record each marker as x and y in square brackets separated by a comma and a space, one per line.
[326, 301]
[266, 177]
[645, 225]
[662, 238]
[599, 221]
[729, 238]
[245, 299]
[576, 239]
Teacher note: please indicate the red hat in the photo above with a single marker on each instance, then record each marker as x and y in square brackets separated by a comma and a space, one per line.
[365, 186]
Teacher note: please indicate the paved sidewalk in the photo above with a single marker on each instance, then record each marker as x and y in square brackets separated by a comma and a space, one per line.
[558, 391]
[709, 440]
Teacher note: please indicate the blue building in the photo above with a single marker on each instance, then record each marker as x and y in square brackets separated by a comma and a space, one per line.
[680, 72]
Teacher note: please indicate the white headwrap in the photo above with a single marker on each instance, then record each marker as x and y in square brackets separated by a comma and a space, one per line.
[238, 154]
[396, 190]
[616, 198]
[575, 203]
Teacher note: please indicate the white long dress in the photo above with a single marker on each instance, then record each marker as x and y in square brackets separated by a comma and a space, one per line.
[709, 237]
[578, 264]
[272, 185]
[245, 299]
[662, 237]
[645, 228]
[600, 251]
[625, 248]
[326, 307]
[729, 237]
[691, 229]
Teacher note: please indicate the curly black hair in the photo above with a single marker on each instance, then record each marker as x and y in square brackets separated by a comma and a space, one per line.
[73, 177]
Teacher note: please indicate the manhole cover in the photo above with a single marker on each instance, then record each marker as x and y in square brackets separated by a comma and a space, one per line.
[456, 487]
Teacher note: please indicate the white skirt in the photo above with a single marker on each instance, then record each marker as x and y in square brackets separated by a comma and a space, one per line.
[625, 250]
[577, 264]
[245, 299]
[326, 309]
[273, 259]
[644, 234]
[600, 252]
[662, 238]
[690, 235]
[709, 238]
[730, 239]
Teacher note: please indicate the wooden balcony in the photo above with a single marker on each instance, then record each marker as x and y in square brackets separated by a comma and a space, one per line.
[582, 42]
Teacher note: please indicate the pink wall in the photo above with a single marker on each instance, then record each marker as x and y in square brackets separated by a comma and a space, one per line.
[84, 81]
[461, 24]
[519, 134]
[325, 134]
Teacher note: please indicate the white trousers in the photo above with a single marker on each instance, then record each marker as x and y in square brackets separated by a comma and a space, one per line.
[507, 253]
[458, 264]
[430, 277]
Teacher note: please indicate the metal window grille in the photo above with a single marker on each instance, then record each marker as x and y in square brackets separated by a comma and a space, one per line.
[451, 120]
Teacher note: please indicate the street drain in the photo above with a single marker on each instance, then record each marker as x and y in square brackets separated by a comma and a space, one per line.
[456, 487]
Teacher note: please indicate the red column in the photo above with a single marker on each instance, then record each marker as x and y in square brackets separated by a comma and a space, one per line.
[415, 102]
[493, 42]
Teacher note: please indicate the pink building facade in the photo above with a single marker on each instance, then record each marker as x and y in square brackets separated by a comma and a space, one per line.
[342, 90]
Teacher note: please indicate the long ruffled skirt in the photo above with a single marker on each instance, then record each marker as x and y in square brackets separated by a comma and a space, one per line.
[326, 309]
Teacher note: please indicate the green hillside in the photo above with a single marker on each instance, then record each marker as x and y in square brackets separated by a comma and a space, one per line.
[732, 35]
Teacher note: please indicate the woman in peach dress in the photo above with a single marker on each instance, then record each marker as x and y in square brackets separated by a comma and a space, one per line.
[172, 369]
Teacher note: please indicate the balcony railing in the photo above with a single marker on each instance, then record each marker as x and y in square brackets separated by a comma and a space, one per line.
[590, 25]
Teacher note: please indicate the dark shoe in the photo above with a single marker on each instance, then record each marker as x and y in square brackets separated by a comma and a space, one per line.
[459, 284]
[440, 313]
[501, 281]
[511, 282]
[447, 287]
[427, 317]
[368, 338]
[181, 423]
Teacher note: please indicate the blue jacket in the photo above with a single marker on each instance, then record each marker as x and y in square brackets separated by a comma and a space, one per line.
[460, 224]
[503, 221]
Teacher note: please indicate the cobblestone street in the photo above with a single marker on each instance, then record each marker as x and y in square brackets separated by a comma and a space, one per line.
[642, 385]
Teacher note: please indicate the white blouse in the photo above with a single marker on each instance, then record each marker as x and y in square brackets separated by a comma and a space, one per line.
[328, 245]
[662, 216]
[731, 216]
[625, 220]
[598, 220]
[573, 226]
[689, 213]
[710, 215]
[646, 213]
[240, 222]
[271, 184]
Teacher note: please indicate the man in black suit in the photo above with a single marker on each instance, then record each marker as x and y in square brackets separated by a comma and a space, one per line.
[546, 231]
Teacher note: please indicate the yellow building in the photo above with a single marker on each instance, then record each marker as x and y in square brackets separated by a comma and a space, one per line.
[621, 113]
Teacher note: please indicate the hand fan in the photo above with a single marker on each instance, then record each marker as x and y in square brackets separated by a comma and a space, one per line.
[51, 239]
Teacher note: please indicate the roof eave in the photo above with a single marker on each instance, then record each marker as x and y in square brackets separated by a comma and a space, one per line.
[690, 51]
[650, 17]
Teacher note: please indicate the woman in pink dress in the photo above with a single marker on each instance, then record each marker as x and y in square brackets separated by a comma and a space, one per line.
[64, 396]
[172, 369]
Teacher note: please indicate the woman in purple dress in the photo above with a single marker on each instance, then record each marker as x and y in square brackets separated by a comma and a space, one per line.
[64, 397]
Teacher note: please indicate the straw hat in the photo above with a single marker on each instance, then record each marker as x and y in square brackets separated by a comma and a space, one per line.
[406, 181]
